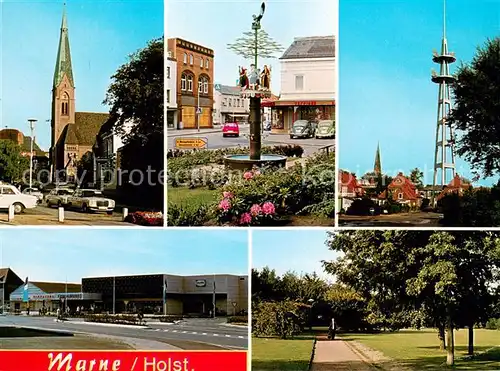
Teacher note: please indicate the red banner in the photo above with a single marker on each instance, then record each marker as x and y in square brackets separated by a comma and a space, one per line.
[122, 361]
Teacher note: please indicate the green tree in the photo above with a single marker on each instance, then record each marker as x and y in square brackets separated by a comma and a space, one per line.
[135, 97]
[85, 169]
[416, 177]
[412, 278]
[136, 93]
[477, 109]
[13, 166]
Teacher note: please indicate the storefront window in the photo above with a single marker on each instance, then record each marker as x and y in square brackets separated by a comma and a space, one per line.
[315, 113]
[277, 120]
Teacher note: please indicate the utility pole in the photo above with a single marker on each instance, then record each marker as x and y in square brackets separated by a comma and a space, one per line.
[114, 293]
[32, 123]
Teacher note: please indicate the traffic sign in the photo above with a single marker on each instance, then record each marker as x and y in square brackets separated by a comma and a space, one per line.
[198, 110]
[190, 143]
[217, 86]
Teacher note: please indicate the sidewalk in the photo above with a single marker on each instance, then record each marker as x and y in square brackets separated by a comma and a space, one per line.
[336, 355]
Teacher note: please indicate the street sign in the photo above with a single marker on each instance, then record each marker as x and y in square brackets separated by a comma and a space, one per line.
[235, 304]
[217, 87]
[198, 110]
[190, 143]
[201, 283]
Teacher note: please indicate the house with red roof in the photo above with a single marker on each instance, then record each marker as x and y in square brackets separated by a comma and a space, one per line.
[349, 189]
[457, 185]
[403, 191]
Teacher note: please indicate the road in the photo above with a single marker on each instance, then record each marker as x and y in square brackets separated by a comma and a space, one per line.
[415, 219]
[192, 334]
[43, 215]
[216, 140]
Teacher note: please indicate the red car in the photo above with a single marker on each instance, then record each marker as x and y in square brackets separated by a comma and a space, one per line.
[231, 128]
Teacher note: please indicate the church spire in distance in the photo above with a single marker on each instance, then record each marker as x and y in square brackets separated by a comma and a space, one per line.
[63, 61]
[377, 168]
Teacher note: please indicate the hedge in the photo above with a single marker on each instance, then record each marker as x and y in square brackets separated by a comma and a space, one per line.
[237, 319]
[117, 319]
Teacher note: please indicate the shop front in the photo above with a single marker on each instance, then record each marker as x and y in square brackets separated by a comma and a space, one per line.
[285, 113]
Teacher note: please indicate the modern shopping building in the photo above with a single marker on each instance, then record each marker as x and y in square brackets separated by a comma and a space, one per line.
[146, 293]
[307, 83]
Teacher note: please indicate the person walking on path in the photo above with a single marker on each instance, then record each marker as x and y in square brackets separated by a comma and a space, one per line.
[332, 329]
[58, 314]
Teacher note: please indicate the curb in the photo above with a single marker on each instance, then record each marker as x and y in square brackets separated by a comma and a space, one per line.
[44, 329]
[236, 326]
[312, 354]
[361, 355]
[178, 133]
[106, 324]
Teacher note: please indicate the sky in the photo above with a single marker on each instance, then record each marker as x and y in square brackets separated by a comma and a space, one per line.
[101, 33]
[68, 255]
[297, 250]
[385, 89]
[215, 24]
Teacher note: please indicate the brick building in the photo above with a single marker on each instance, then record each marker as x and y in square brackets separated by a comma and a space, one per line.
[73, 133]
[403, 191]
[457, 185]
[195, 71]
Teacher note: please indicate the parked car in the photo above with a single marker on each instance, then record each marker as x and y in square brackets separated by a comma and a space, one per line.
[302, 129]
[10, 195]
[34, 192]
[91, 200]
[326, 129]
[231, 128]
[58, 196]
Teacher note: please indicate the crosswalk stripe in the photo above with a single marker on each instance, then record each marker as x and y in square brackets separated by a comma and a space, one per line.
[204, 333]
[216, 334]
[241, 337]
[228, 336]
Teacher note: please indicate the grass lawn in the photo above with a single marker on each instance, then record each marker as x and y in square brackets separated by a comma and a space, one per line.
[192, 197]
[287, 355]
[420, 349]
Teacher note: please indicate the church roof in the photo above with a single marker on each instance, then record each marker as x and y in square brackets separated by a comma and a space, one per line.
[85, 129]
[63, 61]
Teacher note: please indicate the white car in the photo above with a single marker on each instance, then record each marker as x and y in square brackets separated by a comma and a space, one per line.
[91, 200]
[34, 192]
[58, 196]
[10, 195]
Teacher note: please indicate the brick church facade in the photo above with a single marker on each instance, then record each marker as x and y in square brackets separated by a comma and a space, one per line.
[73, 134]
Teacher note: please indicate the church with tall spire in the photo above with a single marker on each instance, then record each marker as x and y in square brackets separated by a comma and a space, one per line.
[377, 168]
[73, 133]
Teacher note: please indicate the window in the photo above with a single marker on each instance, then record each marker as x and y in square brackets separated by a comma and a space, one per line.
[168, 72]
[65, 105]
[7, 191]
[400, 196]
[201, 62]
[190, 83]
[299, 82]
[205, 86]
[230, 102]
[191, 59]
[225, 102]
[207, 64]
[200, 85]
[185, 58]
[183, 82]
[168, 96]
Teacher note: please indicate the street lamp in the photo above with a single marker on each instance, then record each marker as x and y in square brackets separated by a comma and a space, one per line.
[32, 123]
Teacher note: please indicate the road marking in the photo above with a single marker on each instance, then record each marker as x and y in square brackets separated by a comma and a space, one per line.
[165, 330]
[228, 336]
[184, 332]
[204, 333]
[216, 334]
[157, 329]
[241, 337]
[194, 333]
[174, 331]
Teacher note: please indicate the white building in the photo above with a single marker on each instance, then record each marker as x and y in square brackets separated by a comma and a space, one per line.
[229, 106]
[307, 91]
[171, 90]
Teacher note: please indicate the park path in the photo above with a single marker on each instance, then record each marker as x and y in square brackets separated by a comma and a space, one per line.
[337, 355]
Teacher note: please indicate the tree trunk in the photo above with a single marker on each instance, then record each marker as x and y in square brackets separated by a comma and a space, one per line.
[450, 354]
[441, 333]
[471, 340]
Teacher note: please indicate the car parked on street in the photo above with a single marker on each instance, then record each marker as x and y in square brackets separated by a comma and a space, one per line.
[58, 196]
[302, 129]
[34, 192]
[88, 200]
[231, 128]
[10, 195]
[326, 129]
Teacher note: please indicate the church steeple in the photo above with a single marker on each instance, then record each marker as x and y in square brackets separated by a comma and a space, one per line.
[377, 168]
[63, 62]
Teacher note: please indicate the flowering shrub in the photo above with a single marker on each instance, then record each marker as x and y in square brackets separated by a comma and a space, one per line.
[144, 218]
[263, 197]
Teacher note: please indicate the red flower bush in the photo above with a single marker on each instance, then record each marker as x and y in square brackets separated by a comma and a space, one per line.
[145, 218]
